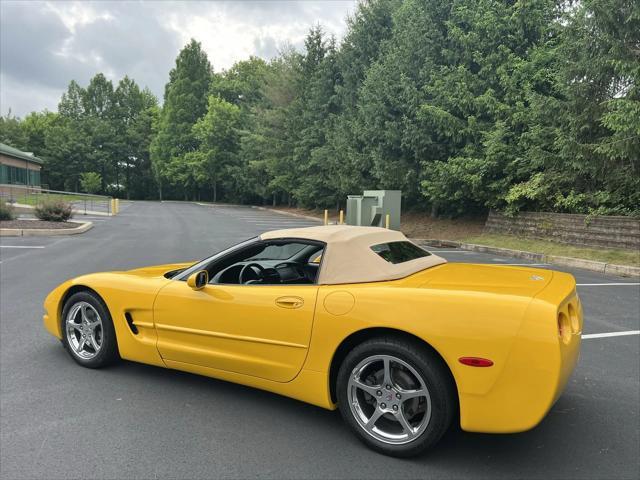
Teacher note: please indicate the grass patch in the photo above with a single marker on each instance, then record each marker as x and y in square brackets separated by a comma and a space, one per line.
[39, 198]
[615, 256]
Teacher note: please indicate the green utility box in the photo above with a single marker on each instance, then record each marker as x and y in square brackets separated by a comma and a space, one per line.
[372, 207]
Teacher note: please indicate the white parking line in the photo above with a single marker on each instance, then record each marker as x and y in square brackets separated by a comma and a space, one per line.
[611, 334]
[21, 246]
[607, 284]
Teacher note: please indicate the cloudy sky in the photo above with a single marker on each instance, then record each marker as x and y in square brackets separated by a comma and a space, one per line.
[44, 45]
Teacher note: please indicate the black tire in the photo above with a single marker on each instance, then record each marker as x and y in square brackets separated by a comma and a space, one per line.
[433, 373]
[107, 354]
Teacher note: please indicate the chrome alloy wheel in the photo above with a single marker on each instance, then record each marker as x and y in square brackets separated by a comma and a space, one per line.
[389, 399]
[84, 330]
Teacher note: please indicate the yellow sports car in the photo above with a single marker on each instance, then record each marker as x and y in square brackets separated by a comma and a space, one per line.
[355, 318]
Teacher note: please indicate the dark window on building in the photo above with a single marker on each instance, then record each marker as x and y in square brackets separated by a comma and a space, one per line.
[18, 176]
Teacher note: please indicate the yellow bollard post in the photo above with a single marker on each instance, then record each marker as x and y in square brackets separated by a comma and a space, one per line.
[117, 205]
[113, 206]
[326, 217]
[386, 221]
[341, 217]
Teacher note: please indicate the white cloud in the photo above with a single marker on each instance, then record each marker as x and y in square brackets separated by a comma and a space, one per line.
[227, 39]
[72, 14]
[44, 45]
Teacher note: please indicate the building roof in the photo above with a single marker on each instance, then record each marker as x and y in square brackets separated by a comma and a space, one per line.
[348, 257]
[15, 153]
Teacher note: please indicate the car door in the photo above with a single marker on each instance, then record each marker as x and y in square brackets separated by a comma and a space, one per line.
[258, 330]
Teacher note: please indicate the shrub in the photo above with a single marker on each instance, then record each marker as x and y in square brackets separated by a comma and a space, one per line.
[6, 211]
[54, 211]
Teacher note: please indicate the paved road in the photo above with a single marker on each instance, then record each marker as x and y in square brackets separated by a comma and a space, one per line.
[62, 421]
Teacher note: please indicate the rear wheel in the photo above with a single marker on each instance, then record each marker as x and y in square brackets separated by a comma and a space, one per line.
[87, 331]
[395, 395]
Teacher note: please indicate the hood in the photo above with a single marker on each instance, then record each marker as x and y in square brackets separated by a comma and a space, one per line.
[158, 270]
[499, 279]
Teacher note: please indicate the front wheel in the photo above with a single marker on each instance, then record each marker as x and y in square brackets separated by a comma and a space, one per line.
[395, 395]
[87, 331]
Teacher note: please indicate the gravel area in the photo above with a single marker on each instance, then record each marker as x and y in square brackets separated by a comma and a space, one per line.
[34, 224]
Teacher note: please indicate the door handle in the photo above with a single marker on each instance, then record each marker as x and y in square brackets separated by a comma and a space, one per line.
[289, 302]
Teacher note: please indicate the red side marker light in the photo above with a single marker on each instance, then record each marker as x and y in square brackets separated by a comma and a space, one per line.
[475, 361]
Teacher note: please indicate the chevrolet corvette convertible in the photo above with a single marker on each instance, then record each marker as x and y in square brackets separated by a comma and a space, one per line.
[354, 318]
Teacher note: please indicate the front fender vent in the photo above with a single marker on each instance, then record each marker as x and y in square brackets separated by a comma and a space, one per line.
[132, 325]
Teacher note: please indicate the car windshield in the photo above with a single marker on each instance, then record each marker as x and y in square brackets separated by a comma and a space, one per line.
[203, 263]
[278, 252]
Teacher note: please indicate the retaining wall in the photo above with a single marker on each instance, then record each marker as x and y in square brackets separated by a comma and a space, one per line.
[573, 229]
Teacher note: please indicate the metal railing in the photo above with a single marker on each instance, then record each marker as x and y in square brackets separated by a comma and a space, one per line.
[82, 203]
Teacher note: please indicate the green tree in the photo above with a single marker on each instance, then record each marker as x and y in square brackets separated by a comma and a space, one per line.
[99, 125]
[134, 111]
[67, 154]
[12, 132]
[72, 103]
[185, 101]
[66, 142]
[36, 126]
[90, 182]
[219, 138]
[369, 29]
[317, 165]
[600, 136]
[242, 84]
[267, 146]
[141, 180]
[464, 105]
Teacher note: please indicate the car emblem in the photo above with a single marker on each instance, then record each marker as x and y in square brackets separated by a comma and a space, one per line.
[536, 277]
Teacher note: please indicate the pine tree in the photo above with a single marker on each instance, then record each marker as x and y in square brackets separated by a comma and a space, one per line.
[185, 101]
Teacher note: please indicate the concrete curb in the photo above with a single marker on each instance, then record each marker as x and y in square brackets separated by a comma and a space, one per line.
[45, 232]
[287, 213]
[592, 265]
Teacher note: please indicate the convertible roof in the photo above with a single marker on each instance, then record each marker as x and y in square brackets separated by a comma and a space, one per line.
[348, 257]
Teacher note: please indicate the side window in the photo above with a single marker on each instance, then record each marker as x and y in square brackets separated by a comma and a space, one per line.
[399, 252]
[269, 263]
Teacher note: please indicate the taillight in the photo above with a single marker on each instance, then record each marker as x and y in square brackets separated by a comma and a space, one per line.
[573, 316]
[564, 327]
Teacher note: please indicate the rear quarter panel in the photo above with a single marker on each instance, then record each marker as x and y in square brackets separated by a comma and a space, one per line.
[469, 316]
[537, 368]
[456, 324]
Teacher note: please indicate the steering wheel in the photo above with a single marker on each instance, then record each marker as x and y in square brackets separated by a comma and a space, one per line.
[260, 272]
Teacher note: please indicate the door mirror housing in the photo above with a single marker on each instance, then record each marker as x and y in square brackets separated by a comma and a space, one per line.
[198, 280]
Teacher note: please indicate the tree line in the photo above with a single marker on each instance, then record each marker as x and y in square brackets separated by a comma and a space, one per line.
[464, 105]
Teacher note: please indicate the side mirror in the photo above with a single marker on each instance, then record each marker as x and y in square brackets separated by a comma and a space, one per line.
[198, 280]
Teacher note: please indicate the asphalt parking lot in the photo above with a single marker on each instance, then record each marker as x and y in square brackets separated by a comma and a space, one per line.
[59, 420]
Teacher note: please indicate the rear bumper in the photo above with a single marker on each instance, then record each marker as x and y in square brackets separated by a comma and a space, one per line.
[537, 369]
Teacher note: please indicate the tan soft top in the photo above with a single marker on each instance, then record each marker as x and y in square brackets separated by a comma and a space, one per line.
[348, 257]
